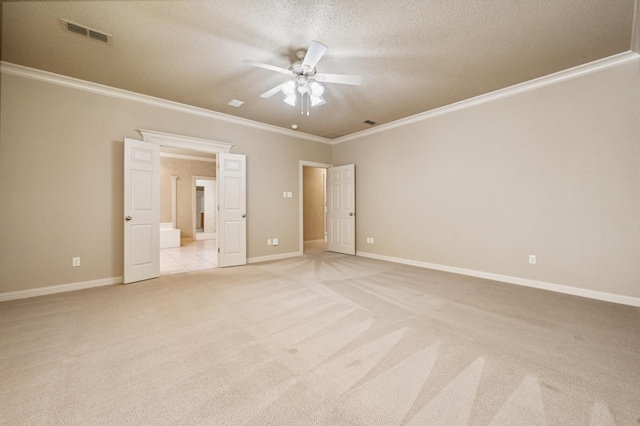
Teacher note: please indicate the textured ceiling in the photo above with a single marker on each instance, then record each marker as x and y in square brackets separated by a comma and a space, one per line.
[413, 55]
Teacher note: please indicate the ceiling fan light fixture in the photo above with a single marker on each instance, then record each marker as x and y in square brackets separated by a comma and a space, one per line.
[317, 100]
[316, 89]
[289, 88]
[291, 99]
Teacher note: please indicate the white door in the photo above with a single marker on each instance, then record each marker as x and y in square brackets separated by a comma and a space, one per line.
[232, 222]
[341, 206]
[141, 210]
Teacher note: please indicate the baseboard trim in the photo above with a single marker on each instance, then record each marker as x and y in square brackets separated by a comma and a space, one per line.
[558, 288]
[62, 288]
[274, 257]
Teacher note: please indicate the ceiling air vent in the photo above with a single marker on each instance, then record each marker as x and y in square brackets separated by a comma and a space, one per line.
[332, 135]
[86, 31]
[369, 122]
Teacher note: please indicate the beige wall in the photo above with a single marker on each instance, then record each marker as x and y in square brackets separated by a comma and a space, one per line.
[61, 180]
[313, 203]
[553, 172]
[185, 170]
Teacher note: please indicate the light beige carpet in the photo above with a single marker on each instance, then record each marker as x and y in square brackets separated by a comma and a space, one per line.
[322, 340]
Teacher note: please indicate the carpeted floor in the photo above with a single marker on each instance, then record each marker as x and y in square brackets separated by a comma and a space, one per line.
[322, 340]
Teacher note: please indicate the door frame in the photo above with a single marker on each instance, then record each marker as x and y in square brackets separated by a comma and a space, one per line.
[302, 164]
[193, 200]
[186, 142]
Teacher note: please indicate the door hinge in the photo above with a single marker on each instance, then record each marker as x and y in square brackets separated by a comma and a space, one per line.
[218, 249]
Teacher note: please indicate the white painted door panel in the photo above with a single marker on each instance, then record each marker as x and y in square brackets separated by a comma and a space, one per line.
[232, 223]
[341, 208]
[141, 210]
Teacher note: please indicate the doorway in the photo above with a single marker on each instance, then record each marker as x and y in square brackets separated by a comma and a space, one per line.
[184, 174]
[313, 207]
[142, 201]
[204, 208]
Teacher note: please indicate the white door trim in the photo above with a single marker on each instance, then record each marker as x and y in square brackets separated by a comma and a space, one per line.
[185, 142]
[302, 164]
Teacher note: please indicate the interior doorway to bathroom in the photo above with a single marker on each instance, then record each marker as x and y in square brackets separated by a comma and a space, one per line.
[204, 208]
[187, 207]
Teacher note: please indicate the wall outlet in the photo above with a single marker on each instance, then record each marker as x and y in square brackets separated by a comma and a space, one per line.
[369, 240]
[275, 241]
[75, 261]
[532, 259]
[269, 242]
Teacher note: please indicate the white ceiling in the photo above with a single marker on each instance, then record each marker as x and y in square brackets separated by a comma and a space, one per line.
[413, 55]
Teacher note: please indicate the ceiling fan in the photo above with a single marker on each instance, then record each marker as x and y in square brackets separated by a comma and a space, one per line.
[304, 78]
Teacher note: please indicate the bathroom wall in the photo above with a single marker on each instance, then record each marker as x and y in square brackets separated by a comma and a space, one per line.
[185, 170]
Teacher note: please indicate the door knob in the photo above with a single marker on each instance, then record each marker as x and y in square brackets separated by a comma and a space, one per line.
[244, 215]
[350, 214]
[127, 218]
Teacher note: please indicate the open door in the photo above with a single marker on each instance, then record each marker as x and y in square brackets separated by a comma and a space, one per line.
[341, 206]
[232, 213]
[141, 210]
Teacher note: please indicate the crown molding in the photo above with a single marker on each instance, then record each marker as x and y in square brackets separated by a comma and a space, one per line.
[517, 89]
[186, 157]
[185, 142]
[100, 89]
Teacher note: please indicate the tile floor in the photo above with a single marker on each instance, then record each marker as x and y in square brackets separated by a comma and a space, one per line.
[190, 256]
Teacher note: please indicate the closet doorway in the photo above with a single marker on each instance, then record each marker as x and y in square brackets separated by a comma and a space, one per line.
[313, 207]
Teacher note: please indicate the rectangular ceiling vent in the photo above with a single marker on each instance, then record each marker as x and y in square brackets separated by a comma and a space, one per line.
[332, 135]
[86, 31]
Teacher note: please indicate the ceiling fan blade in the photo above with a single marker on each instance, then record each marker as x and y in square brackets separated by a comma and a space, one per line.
[271, 92]
[354, 80]
[267, 67]
[313, 55]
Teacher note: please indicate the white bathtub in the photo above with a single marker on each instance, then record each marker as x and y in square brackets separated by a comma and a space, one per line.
[169, 236]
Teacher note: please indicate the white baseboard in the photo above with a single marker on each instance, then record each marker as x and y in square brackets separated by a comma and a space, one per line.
[559, 288]
[273, 257]
[41, 291]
